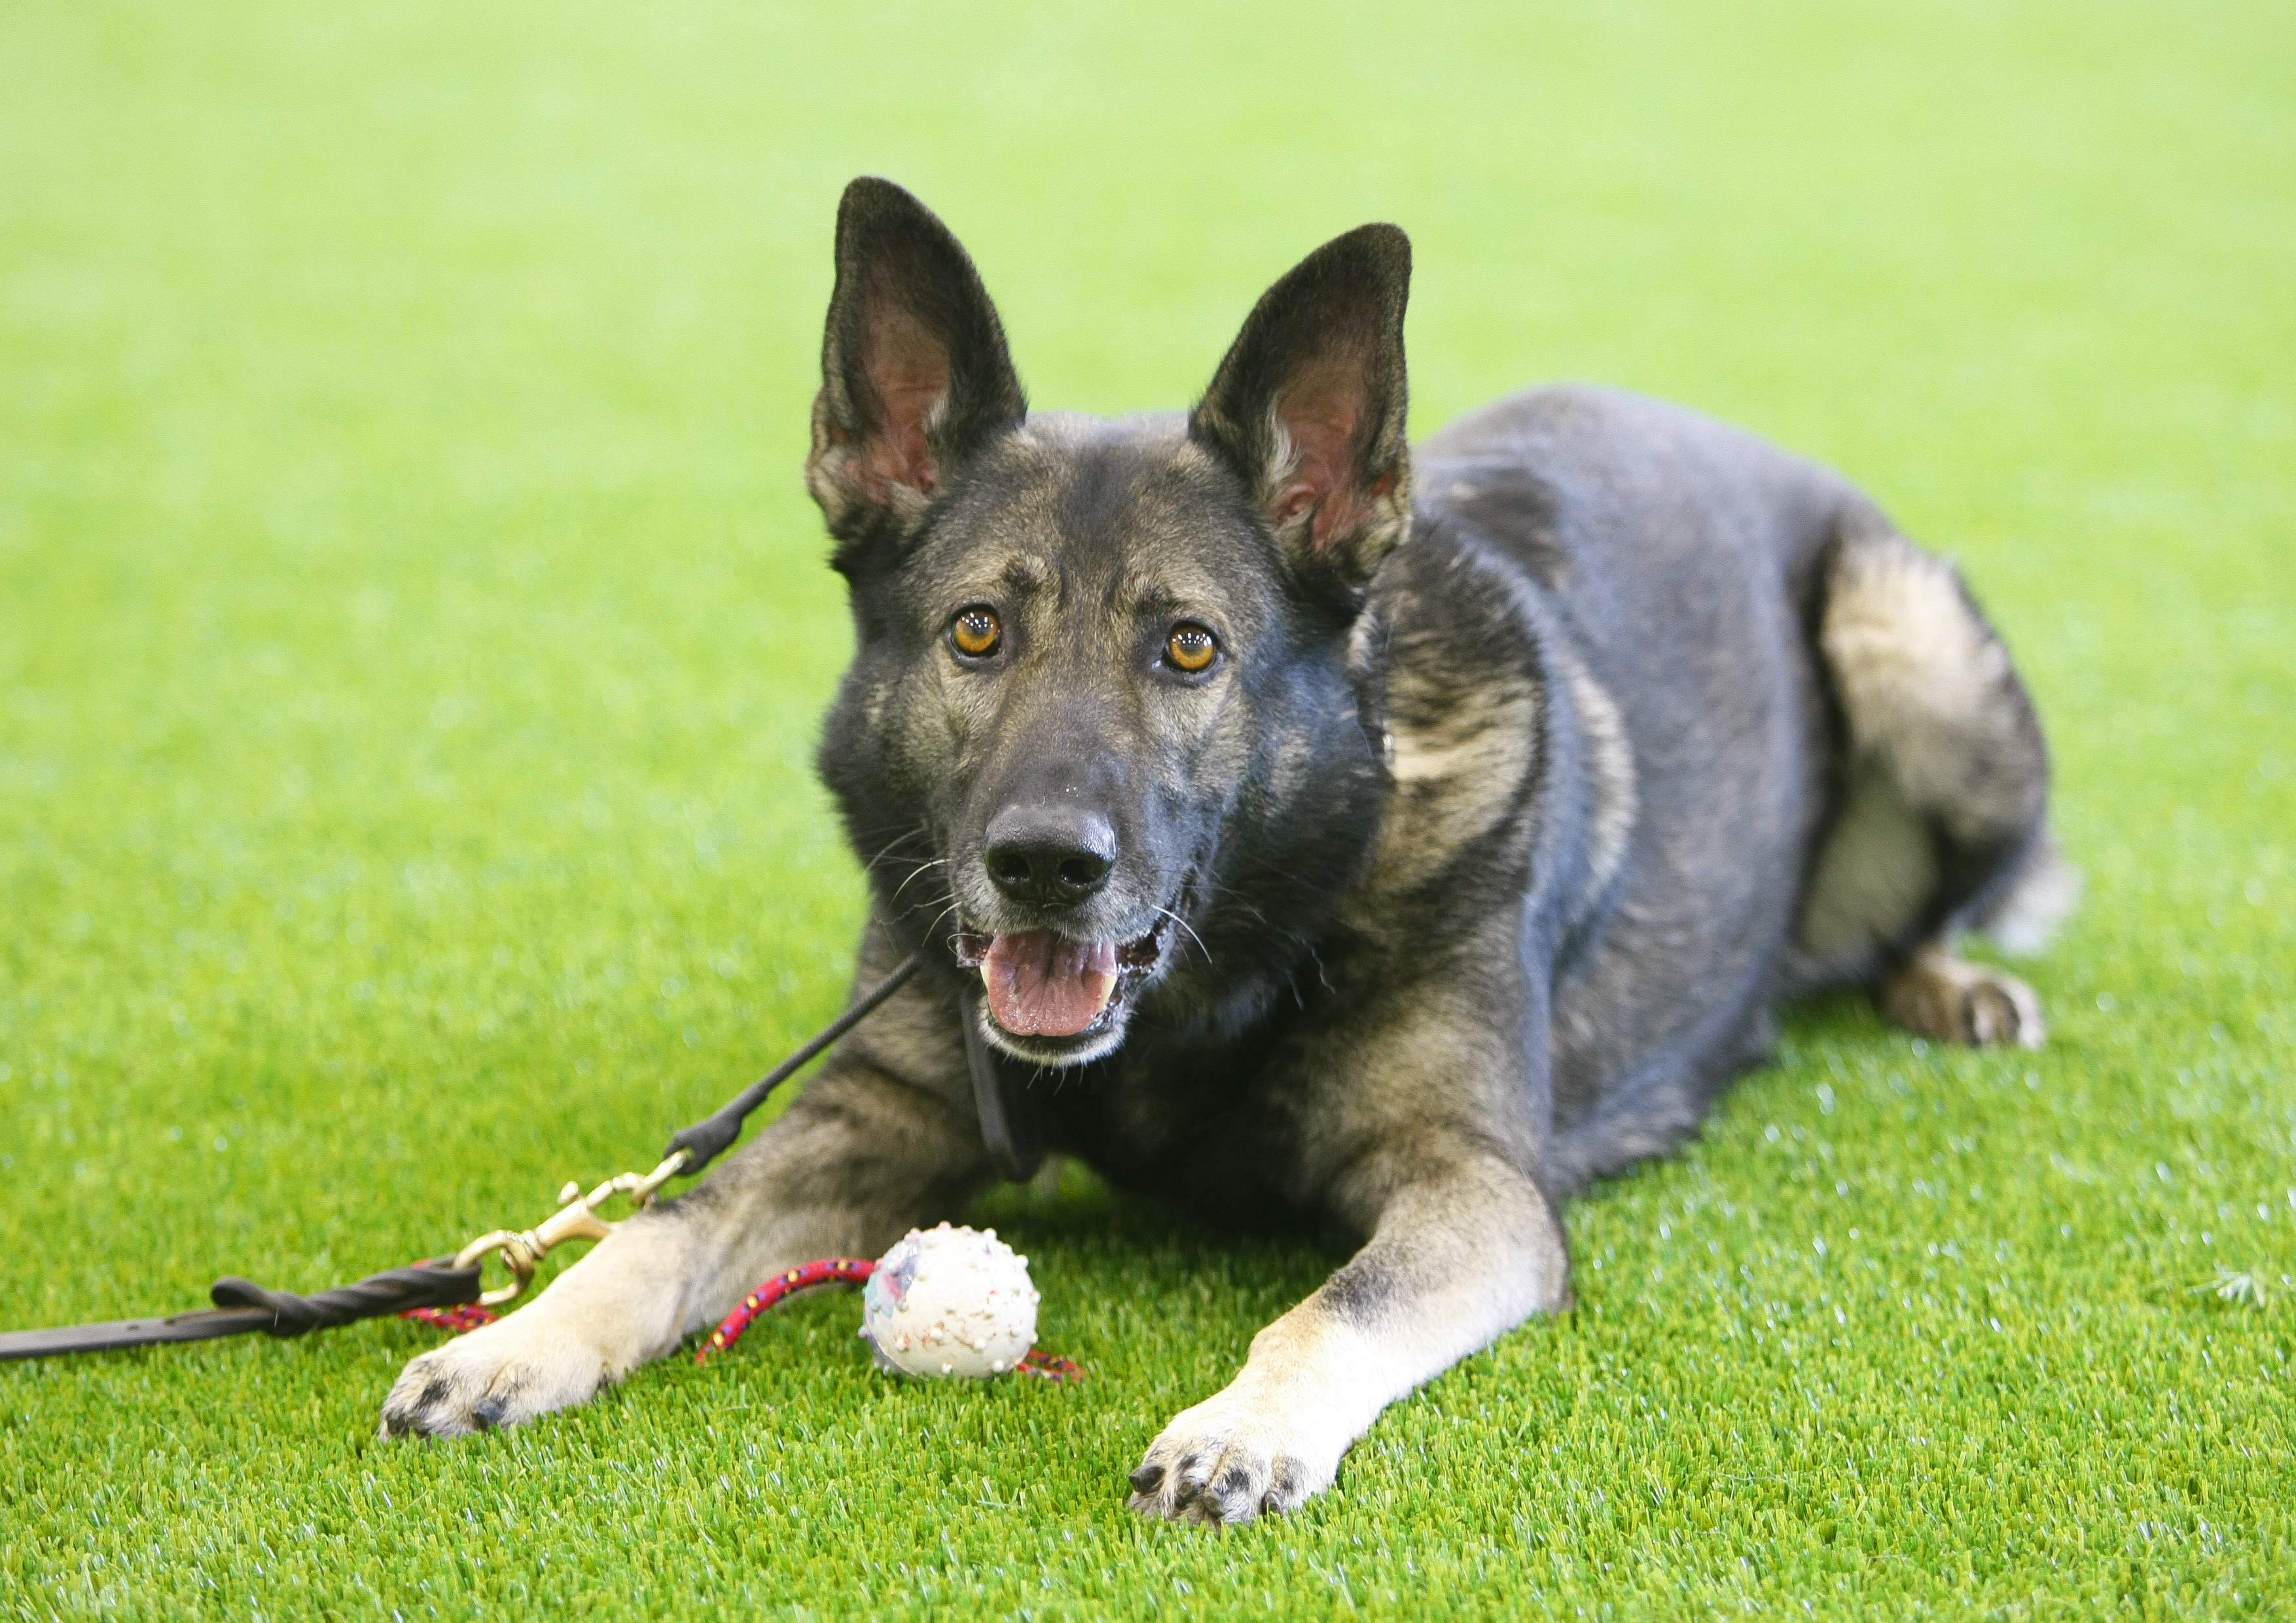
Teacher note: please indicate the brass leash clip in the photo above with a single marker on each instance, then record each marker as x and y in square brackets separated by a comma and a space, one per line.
[575, 1219]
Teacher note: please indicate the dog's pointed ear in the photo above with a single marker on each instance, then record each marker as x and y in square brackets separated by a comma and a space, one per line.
[915, 378]
[1309, 406]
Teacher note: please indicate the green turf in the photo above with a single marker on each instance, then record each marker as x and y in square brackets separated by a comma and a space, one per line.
[413, 630]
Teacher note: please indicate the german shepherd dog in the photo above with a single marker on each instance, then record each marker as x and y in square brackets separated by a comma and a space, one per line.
[1381, 838]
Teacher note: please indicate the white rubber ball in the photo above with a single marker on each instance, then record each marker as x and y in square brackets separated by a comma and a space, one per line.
[950, 1301]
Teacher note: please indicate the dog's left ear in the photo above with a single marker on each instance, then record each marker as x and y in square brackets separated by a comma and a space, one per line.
[1309, 406]
[915, 377]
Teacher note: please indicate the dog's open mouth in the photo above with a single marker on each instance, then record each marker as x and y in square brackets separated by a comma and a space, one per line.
[1041, 984]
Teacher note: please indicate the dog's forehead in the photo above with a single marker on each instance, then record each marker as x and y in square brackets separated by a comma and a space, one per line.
[1126, 507]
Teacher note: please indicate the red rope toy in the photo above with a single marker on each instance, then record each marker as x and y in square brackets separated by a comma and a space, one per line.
[460, 1320]
[828, 1271]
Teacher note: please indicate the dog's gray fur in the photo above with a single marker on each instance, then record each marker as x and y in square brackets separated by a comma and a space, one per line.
[1470, 870]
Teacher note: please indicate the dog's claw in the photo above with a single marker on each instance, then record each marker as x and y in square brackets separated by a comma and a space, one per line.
[1226, 1462]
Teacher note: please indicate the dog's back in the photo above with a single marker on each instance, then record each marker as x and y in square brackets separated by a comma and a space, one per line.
[1692, 567]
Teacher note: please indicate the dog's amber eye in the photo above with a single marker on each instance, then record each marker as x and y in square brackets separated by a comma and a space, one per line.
[1191, 648]
[975, 632]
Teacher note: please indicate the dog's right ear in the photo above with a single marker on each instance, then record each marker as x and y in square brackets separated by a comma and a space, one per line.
[914, 375]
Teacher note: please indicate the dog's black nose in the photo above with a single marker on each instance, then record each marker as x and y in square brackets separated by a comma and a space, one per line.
[1047, 855]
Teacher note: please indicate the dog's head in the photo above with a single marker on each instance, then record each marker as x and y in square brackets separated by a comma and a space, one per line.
[1098, 742]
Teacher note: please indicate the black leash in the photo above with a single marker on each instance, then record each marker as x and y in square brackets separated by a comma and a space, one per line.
[242, 1307]
[1008, 1128]
[705, 1141]
[1009, 1125]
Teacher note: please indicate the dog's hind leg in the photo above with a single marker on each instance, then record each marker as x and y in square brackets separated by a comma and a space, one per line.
[1942, 820]
[1935, 993]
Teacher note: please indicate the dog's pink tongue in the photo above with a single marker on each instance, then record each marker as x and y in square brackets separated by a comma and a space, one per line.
[1044, 985]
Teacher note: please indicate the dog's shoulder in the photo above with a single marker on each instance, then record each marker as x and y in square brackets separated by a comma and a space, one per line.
[1449, 650]
[1512, 772]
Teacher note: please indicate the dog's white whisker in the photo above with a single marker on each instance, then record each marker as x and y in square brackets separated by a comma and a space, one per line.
[1184, 924]
[922, 867]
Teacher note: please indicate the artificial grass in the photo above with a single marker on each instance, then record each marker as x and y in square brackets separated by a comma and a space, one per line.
[411, 631]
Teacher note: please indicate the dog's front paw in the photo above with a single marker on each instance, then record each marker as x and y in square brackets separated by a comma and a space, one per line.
[1229, 1459]
[510, 1372]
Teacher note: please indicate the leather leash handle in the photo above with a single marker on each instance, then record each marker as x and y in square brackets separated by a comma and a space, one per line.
[242, 1308]
[203, 1325]
[1010, 1128]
